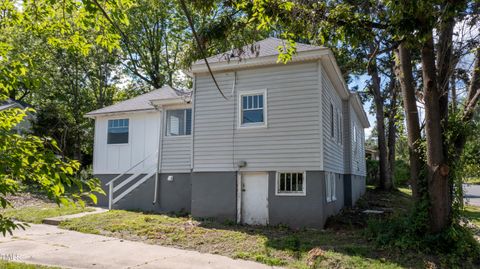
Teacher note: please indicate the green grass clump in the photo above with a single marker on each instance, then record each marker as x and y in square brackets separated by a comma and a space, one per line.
[271, 245]
[18, 265]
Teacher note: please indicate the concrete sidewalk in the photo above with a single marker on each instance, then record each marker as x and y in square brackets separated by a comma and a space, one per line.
[50, 245]
[57, 220]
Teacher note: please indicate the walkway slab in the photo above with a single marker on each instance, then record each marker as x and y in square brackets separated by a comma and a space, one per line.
[56, 220]
[50, 245]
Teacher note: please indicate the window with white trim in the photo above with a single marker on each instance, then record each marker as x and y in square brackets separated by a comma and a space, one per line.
[291, 183]
[179, 122]
[341, 129]
[252, 108]
[339, 137]
[355, 138]
[117, 131]
[330, 187]
[332, 125]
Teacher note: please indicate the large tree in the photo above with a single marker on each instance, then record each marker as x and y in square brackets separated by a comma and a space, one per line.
[420, 30]
[28, 158]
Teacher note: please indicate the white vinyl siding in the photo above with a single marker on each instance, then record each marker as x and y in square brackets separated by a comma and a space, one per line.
[213, 124]
[176, 152]
[117, 158]
[290, 141]
[358, 165]
[332, 146]
[347, 149]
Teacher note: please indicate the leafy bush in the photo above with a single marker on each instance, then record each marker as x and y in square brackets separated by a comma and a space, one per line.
[401, 173]
[456, 246]
[372, 172]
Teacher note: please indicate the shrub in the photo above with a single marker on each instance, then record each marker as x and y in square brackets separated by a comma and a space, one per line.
[401, 173]
[456, 246]
[372, 172]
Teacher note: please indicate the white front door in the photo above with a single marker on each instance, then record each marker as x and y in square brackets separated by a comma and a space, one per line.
[255, 198]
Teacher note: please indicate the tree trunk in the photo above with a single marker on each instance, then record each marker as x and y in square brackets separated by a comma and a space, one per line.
[385, 182]
[438, 186]
[392, 130]
[404, 74]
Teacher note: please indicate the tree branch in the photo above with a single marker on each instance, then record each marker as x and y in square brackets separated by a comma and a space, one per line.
[200, 46]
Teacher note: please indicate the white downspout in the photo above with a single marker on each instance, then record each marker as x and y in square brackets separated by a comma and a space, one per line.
[159, 154]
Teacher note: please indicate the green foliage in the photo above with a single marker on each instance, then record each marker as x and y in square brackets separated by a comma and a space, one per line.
[63, 26]
[401, 173]
[373, 167]
[456, 246]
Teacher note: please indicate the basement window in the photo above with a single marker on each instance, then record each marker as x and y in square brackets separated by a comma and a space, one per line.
[118, 131]
[330, 187]
[291, 183]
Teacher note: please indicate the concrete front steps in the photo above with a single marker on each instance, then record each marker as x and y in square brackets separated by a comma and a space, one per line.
[56, 220]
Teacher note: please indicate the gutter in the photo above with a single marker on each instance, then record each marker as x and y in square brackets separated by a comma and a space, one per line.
[258, 61]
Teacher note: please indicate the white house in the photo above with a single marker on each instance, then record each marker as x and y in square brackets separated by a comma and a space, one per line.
[25, 126]
[283, 145]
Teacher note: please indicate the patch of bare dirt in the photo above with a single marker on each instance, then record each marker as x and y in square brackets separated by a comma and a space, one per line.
[26, 199]
[354, 217]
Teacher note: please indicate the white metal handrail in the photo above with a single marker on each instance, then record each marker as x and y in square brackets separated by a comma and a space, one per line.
[130, 169]
[146, 172]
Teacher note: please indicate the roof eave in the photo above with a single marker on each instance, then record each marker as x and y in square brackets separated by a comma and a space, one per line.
[255, 62]
[112, 113]
[170, 101]
[357, 105]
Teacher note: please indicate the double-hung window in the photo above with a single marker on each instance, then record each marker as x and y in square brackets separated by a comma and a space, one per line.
[330, 187]
[291, 183]
[252, 108]
[332, 123]
[179, 122]
[118, 131]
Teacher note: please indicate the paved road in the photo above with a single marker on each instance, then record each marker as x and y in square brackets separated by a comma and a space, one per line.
[472, 194]
[49, 245]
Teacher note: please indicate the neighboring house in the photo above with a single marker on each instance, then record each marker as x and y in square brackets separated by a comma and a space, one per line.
[285, 145]
[25, 126]
[372, 154]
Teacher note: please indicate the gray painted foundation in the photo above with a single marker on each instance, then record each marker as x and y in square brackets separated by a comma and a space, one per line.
[355, 187]
[214, 195]
[173, 196]
[298, 211]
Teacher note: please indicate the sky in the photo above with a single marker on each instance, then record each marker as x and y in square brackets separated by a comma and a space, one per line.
[361, 82]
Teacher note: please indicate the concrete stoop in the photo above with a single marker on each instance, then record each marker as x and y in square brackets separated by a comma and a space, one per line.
[56, 220]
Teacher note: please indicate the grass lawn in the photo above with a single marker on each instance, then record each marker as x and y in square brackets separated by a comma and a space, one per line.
[35, 214]
[473, 214]
[473, 180]
[341, 245]
[18, 265]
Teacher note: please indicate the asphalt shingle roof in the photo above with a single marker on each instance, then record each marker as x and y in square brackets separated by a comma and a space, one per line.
[9, 103]
[141, 102]
[263, 48]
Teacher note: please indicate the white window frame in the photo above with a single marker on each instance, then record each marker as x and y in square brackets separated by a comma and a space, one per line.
[129, 132]
[332, 121]
[291, 193]
[240, 110]
[340, 136]
[167, 123]
[330, 187]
